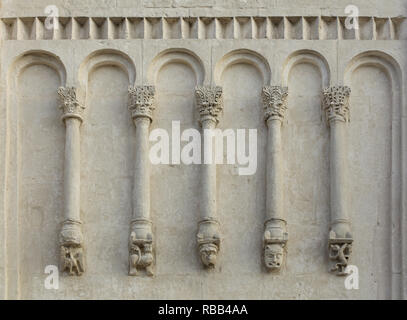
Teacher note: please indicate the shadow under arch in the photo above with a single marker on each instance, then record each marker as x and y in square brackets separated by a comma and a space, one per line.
[306, 56]
[390, 67]
[243, 56]
[176, 55]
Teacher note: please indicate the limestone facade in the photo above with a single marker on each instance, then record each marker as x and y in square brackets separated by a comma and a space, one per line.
[79, 100]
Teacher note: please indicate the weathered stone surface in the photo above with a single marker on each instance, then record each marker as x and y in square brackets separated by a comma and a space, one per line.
[329, 189]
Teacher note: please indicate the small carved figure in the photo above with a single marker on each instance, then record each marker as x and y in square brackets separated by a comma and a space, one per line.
[141, 255]
[341, 254]
[208, 252]
[72, 260]
[274, 256]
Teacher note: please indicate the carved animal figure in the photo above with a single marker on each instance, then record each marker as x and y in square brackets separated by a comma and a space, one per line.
[338, 253]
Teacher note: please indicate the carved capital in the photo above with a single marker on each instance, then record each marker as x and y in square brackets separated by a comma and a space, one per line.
[141, 101]
[70, 106]
[71, 246]
[274, 102]
[208, 239]
[340, 246]
[274, 244]
[141, 251]
[210, 102]
[336, 103]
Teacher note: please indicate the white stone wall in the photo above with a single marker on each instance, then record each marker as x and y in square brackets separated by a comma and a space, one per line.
[240, 46]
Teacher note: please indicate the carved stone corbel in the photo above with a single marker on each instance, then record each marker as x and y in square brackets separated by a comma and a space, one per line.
[336, 107]
[275, 227]
[210, 106]
[71, 238]
[141, 245]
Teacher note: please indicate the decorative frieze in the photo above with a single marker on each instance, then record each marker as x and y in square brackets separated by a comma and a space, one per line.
[210, 102]
[336, 103]
[275, 227]
[141, 245]
[203, 27]
[274, 102]
[72, 257]
[210, 106]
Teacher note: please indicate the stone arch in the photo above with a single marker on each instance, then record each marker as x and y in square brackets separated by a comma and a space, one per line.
[24, 141]
[106, 57]
[178, 55]
[243, 56]
[35, 57]
[393, 221]
[306, 56]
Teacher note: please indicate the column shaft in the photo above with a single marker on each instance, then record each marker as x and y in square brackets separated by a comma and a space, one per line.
[210, 106]
[274, 183]
[338, 168]
[141, 246]
[208, 177]
[141, 187]
[72, 169]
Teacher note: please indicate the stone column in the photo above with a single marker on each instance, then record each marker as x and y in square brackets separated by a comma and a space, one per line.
[71, 239]
[141, 255]
[210, 106]
[336, 107]
[275, 227]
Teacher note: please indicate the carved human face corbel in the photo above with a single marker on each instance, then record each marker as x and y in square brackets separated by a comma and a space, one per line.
[274, 256]
[208, 252]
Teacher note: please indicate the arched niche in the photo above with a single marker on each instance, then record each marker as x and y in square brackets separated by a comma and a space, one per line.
[375, 163]
[175, 73]
[306, 57]
[107, 158]
[105, 57]
[242, 74]
[306, 153]
[171, 56]
[243, 56]
[34, 151]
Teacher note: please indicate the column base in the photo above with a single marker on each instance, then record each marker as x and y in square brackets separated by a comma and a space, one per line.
[141, 255]
[208, 239]
[72, 258]
[340, 247]
[274, 244]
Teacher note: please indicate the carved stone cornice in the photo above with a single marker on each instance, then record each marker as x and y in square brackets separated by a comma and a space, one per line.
[141, 101]
[210, 102]
[70, 106]
[336, 103]
[274, 102]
